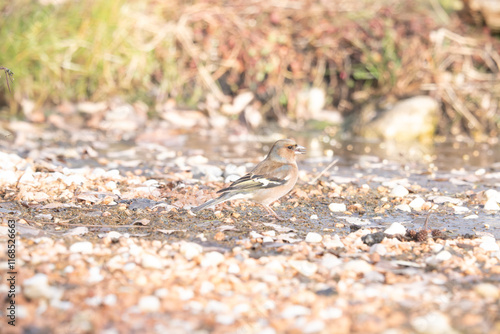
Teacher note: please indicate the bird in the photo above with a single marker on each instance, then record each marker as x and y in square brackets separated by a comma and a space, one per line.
[268, 181]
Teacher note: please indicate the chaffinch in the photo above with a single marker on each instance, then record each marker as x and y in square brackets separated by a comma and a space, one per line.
[270, 180]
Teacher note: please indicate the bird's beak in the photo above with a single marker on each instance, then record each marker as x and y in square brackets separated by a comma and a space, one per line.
[300, 150]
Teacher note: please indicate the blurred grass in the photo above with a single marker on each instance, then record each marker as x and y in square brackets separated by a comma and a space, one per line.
[152, 50]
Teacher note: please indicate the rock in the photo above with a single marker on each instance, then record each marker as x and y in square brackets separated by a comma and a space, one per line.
[417, 203]
[212, 259]
[491, 205]
[487, 290]
[210, 172]
[294, 311]
[396, 228]
[332, 242]
[37, 287]
[378, 249]
[337, 207]
[84, 247]
[489, 244]
[313, 217]
[445, 199]
[408, 120]
[399, 191]
[330, 313]
[492, 194]
[432, 323]
[306, 268]
[150, 261]
[358, 266]
[373, 238]
[190, 250]
[313, 237]
[403, 207]
[149, 304]
[8, 177]
[460, 210]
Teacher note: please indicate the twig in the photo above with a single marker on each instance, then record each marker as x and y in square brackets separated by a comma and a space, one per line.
[453, 99]
[8, 75]
[324, 171]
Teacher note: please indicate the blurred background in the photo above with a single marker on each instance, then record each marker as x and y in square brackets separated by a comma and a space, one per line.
[374, 69]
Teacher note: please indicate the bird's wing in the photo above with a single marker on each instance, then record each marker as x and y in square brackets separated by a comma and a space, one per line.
[267, 176]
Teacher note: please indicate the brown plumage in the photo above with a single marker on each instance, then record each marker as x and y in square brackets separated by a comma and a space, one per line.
[271, 179]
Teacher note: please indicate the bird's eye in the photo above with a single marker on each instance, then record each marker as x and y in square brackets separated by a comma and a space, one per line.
[290, 147]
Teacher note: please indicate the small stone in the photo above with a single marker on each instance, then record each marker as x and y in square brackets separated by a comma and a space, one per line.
[315, 326]
[399, 191]
[313, 237]
[337, 207]
[460, 210]
[491, 205]
[396, 228]
[434, 322]
[471, 217]
[489, 244]
[110, 300]
[225, 319]
[190, 250]
[37, 287]
[487, 290]
[267, 239]
[212, 259]
[358, 266]
[330, 313]
[306, 268]
[378, 249]
[403, 207]
[148, 304]
[313, 217]
[295, 311]
[492, 194]
[84, 247]
[417, 203]
[373, 238]
[150, 261]
[332, 242]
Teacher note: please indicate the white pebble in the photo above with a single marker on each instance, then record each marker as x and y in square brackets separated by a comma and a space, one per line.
[304, 267]
[358, 266]
[492, 194]
[396, 228]
[399, 191]
[489, 244]
[190, 250]
[149, 304]
[332, 242]
[378, 249]
[403, 207]
[487, 290]
[337, 207]
[313, 237]
[295, 311]
[212, 259]
[81, 247]
[150, 261]
[417, 203]
[460, 209]
[491, 205]
[434, 322]
[313, 217]
[471, 217]
[267, 239]
[330, 313]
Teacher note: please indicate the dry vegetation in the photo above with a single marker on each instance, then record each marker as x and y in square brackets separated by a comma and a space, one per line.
[155, 51]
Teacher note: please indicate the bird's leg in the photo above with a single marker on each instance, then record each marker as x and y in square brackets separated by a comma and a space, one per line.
[272, 213]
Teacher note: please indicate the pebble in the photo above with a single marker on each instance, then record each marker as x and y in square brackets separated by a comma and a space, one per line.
[337, 207]
[225, 319]
[212, 259]
[438, 258]
[190, 250]
[7, 177]
[150, 261]
[399, 191]
[487, 290]
[95, 275]
[330, 313]
[295, 311]
[403, 207]
[378, 249]
[471, 216]
[85, 247]
[306, 268]
[417, 203]
[489, 244]
[110, 300]
[332, 242]
[313, 217]
[492, 194]
[148, 304]
[315, 326]
[460, 210]
[37, 287]
[358, 266]
[396, 228]
[491, 205]
[313, 237]
[267, 239]
[432, 323]
[210, 172]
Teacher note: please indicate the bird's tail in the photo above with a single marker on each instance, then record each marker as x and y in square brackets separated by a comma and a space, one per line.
[212, 202]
